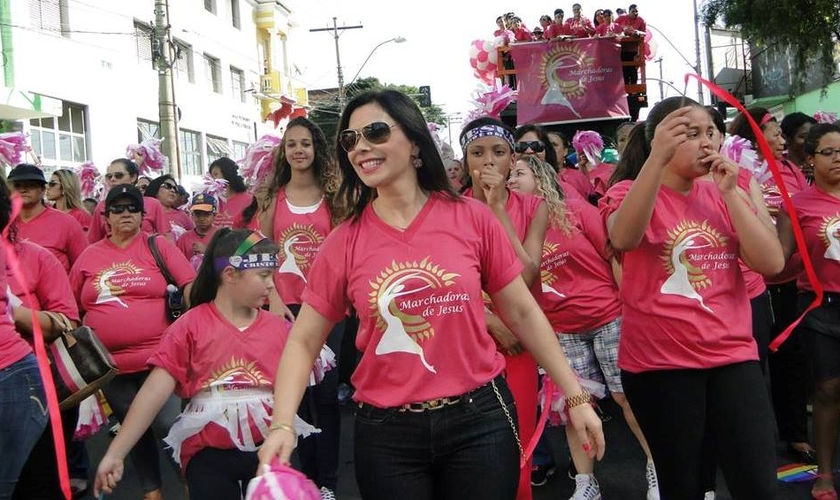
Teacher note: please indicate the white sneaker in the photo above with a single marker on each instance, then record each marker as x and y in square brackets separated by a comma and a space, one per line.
[327, 494]
[586, 488]
[652, 481]
[710, 495]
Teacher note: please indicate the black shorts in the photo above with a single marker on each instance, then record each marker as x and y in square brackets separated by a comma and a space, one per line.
[821, 328]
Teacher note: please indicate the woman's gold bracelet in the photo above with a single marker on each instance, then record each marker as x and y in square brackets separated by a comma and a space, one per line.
[579, 399]
[284, 427]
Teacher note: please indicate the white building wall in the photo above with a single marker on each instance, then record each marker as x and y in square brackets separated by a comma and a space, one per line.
[95, 64]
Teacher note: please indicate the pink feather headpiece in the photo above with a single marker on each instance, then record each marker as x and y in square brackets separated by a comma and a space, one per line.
[258, 161]
[216, 188]
[153, 160]
[12, 147]
[589, 143]
[491, 103]
[741, 151]
[89, 177]
[825, 117]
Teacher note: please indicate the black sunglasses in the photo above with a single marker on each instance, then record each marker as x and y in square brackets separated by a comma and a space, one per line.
[115, 175]
[374, 133]
[118, 209]
[169, 186]
[535, 146]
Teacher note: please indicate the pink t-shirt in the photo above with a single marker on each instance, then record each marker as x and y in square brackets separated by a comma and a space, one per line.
[819, 216]
[154, 220]
[203, 350]
[418, 295]
[12, 347]
[579, 292]
[523, 35]
[45, 279]
[754, 281]
[794, 181]
[577, 180]
[605, 29]
[683, 295]
[600, 178]
[555, 30]
[122, 295]
[580, 27]
[82, 216]
[187, 240]
[506, 35]
[175, 217]
[624, 21]
[299, 237]
[230, 211]
[56, 231]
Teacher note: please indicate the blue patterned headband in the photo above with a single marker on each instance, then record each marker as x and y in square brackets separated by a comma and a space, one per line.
[486, 131]
[240, 260]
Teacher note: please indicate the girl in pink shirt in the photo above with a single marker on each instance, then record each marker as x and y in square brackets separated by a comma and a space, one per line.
[416, 284]
[239, 206]
[687, 354]
[488, 160]
[64, 192]
[580, 298]
[165, 190]
[221, 355]
[301, 208]
[567, 173]
[818, 211]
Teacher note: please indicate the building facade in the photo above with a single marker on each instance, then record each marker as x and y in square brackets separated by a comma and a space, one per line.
[94, 61]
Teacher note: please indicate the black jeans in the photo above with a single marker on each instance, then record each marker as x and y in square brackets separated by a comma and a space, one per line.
[789, 379]
[318, 453]
[459, 452]
[682, 411]
[215, 473]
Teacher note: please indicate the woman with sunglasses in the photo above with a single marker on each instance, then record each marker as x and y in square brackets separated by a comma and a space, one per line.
[117, 283]
[165, 189]
[818, 212]
[301, 211]
[551, 147]
[435, 418]
[488, 159]
[123, 171]
[64, 192]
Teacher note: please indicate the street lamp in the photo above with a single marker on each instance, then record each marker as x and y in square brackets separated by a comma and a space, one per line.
[396, 39]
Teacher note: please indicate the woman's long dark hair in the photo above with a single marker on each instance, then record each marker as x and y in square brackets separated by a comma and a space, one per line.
[740, 126]
[230, 173]
[478, 122]
[353, 194]
[567, 144]
[130, 167]
[223, 244]
[550, 154]
[326, 174]
[154, 185]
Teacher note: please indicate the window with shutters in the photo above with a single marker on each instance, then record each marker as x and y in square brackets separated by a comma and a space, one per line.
[143, 36]
[190, 143]
[49, 15]
[184, 68]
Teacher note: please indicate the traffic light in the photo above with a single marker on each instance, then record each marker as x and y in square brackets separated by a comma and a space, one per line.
[425, 96]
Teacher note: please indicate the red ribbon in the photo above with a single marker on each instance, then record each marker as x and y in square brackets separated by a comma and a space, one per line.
[41, 353]
[794, 220]
[548, 390]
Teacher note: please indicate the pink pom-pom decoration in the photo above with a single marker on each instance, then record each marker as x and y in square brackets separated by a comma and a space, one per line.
[91, 418]
[323, 363]
[491, 103]
[177, 230]
[279, 482]
[558, 414]
[12, 147]
[258, 162]
[589, 143]
[89, 178]
[148, 156]
[741, 151]
[217, 188]
[825, 117]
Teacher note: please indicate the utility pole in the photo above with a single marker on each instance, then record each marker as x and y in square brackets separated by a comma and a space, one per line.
[342, 95]
[166, 92]
[661, 78]
[698, 68]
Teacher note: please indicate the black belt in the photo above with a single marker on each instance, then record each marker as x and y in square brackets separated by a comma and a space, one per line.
[434, 404]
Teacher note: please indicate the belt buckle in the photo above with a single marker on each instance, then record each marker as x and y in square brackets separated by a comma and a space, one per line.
[431, 405]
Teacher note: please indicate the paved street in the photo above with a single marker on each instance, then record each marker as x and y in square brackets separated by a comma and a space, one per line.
[621, 473]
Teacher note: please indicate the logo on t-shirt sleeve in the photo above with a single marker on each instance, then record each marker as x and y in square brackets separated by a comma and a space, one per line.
[411, 286]
[299, 244]
[113, 281]
[830, 236]
[686, 264]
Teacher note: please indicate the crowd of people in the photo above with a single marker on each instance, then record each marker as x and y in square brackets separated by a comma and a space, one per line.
[605, 22]
[462, 281]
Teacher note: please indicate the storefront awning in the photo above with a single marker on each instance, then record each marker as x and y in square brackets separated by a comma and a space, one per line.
[18, 104]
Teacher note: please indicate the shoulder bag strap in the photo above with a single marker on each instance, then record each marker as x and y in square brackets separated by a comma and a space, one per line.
[159, 261]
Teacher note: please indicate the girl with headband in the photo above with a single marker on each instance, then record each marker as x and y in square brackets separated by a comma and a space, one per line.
[435, 418]
[488, 157]
[685, 338]
[221, 355]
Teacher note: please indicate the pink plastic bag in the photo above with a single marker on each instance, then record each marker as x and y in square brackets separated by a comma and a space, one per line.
[279, 482]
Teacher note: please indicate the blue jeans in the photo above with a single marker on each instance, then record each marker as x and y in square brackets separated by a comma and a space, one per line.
[23, 417]
[463, 451]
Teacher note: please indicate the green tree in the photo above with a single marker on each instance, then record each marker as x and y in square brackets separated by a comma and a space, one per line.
[811, 29]
[326, 115]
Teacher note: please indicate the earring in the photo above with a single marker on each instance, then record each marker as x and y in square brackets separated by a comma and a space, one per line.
[417, 162]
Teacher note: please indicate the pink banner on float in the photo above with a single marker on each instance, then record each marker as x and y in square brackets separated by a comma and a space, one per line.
[569, 81]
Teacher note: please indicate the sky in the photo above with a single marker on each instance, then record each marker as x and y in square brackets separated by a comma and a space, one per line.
[438, 35]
